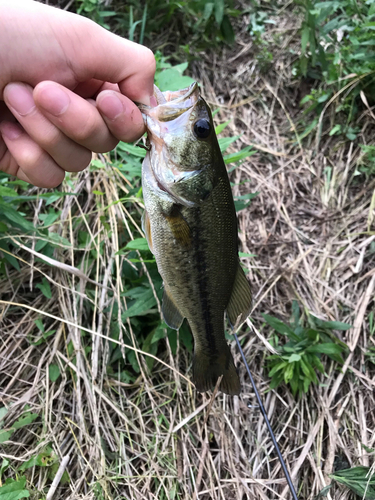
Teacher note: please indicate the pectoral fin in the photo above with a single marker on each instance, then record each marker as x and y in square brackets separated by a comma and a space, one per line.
[179, 227]
[240, 302]
[146, 226]
[171, 314]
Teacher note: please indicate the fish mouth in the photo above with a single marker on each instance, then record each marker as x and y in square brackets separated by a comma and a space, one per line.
[161, 122]
[170, 104]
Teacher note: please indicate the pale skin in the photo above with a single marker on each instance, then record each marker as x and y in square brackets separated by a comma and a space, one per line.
[67, 88]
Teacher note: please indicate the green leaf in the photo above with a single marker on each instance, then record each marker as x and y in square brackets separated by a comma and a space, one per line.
[131, 149]
[304, 38]
[12, 260]
[219, 11]
[277, 368]
[359, 480]
[308, 370]
[40, 244]
[325, 348]
[225, 142]
[6, 191]
[306, 384]
[323, 492]
[227, 30]
[331, 325]
[208, 9]
[137, 244]
[45, 288]
[240, 203]
[4, 465]
[14, 490]
[172, 79]
[14, 217]
[39, 324]
[318, 364]
[279, 326]
[44, 459]
[160, 332]
[221, 127]
[3, 412]
[294, 357]
[294, 385]
[58, 240]
[336, 128]
[288, 373]
[245, 254]
[53, 372]
[5, 435]
[142, 305]
[186, 337]
[26, 419]
[241, 155]
[65, 477]
[49, 218]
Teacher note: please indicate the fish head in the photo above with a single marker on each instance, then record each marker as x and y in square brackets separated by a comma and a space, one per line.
[183, 148]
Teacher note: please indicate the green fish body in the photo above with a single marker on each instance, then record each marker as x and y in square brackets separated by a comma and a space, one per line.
[191, 227]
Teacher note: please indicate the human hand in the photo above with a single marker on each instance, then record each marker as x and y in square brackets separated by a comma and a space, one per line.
[78, 84]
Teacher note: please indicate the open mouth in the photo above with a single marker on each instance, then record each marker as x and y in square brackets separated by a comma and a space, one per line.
[171, 104]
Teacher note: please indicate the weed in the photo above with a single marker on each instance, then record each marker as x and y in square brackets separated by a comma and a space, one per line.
[95, 10]
[14, 489]
[360, 480]
[204, 24]
[366, 164]
[299, 359]
[337, 41]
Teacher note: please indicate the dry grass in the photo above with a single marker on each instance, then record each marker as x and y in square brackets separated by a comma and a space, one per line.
[158, 438]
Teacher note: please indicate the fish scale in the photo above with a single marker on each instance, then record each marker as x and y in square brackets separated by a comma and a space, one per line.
[191, 226]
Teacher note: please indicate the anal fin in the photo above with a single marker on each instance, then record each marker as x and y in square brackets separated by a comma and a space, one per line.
[240, 301]
[171, 314]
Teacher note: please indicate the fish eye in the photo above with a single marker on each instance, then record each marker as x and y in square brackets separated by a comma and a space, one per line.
[202, 128]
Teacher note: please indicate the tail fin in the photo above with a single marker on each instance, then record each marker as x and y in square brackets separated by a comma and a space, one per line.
[206, 371]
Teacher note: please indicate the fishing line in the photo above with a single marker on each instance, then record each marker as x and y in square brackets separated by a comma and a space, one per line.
[264, 413]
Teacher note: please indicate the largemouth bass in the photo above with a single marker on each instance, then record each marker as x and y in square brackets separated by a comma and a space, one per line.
[191, 227]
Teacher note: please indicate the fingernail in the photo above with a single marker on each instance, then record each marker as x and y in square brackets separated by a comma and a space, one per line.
[10, 130]
[53, 99]
[111, 106]
[20, 98]
[153, 101]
